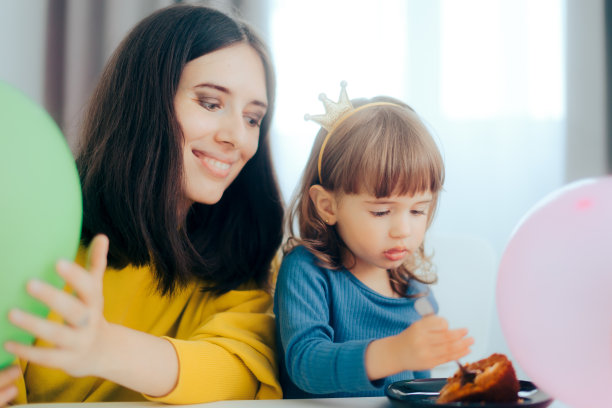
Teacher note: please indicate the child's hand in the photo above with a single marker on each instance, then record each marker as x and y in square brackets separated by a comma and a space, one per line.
[428, 343]
[424, 345]
[76, 345]
[8, 389]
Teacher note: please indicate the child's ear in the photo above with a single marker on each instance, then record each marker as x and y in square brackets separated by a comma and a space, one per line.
[325, 203]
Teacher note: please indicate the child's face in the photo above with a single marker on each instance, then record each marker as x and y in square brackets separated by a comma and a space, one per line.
[382, 233]
[220, 102]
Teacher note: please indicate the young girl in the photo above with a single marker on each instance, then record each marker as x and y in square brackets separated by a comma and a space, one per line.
[176, 174]
[346, 290]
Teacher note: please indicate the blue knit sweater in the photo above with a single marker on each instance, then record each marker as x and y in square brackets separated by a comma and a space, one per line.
[325, 319]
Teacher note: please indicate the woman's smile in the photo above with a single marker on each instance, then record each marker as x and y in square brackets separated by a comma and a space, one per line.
[215, 165]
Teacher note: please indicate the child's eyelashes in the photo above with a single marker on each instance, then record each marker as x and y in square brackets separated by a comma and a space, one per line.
[379, 213]
[386, 212]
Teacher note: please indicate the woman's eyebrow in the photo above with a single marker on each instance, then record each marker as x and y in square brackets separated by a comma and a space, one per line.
[228, 92]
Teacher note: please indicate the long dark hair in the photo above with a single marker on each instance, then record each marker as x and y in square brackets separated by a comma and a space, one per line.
[131, 165]
[381, 150]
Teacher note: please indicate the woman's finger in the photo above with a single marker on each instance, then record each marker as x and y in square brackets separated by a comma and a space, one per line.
[96, 256]
[57, 334]
[87, 283]
[9, 375]
[8, 389]
[70, 308]
[7, 394]
[79, 279]
[47, 356]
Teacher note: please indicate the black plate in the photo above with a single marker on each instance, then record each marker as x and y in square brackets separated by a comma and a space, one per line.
[423, 393]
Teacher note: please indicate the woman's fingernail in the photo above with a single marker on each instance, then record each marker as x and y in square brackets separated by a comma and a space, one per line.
[62, 264]
[35, 286]
[16, 315]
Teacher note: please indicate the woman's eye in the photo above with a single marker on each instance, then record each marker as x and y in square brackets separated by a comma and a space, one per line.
[210, 105]
[379, 213]
[418, 212]
[253, 121]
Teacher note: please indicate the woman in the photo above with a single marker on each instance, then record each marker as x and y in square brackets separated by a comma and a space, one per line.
[175, 170]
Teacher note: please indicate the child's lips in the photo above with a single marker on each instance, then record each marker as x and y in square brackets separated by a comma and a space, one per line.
[395, 254]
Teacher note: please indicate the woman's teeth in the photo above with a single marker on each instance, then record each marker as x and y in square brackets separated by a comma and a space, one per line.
[217, 163]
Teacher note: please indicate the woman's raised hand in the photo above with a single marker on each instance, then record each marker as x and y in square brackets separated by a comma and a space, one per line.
[75, 346]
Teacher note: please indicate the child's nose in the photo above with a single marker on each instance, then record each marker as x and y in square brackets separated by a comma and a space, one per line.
[401, 227]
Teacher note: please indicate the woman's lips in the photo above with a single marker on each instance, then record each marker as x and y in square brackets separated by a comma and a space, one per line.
[395, 254]
[219, 168]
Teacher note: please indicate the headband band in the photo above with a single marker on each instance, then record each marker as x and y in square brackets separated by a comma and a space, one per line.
[335, 114]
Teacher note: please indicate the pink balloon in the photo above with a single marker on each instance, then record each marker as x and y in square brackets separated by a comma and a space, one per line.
[554, 293]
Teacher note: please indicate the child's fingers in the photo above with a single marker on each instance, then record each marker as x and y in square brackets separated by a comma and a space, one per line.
[447, 336]
[459, 354]
[70, 308]
[434, 322]
[57, 334]
[453, 350]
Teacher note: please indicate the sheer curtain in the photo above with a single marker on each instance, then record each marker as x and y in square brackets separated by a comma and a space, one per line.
[513, 90]
[62, 46]
[487, 76]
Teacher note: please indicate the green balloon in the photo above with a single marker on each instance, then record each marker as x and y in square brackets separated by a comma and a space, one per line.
[40, 207]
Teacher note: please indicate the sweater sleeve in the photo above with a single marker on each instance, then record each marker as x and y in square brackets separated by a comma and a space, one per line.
[315, 363]
[230, 355]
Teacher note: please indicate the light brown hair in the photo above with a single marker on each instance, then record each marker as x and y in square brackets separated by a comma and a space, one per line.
[380, 150]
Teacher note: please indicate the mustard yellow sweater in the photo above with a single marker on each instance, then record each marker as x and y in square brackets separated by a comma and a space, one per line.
[225, 344]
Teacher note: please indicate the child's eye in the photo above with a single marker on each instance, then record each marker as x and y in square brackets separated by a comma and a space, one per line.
[418, 212]
[379, 213]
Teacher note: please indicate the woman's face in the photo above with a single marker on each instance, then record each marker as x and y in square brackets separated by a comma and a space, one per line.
[220, 102]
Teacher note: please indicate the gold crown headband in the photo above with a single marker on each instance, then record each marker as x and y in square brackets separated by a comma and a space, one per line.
[335, 114]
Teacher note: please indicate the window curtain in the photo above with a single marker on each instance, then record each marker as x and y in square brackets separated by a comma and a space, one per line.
[82, 34]
[513, 90]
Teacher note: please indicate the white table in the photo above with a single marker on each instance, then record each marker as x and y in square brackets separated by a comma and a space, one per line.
[365, 402]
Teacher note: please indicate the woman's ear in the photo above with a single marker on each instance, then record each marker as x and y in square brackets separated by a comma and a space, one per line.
[325, 203]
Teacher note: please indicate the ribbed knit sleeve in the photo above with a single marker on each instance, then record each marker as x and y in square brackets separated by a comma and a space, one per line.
[313, 360]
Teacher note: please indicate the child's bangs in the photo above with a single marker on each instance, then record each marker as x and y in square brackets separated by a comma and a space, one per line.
[391, 156]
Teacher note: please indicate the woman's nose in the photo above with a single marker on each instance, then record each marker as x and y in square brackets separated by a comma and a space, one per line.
[231, 130]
